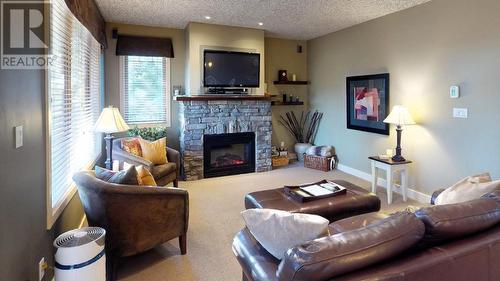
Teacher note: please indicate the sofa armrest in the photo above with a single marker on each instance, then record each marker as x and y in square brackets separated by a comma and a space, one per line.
[435, 194]
[123, 156]
[174, 156]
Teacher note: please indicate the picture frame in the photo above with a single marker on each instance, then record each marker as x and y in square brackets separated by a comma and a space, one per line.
[367, 103]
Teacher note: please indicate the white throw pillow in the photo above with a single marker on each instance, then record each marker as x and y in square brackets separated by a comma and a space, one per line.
[277, 231]
[467, 189]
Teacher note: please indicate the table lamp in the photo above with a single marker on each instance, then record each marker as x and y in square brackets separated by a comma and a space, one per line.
[399, 116]
[110, 121]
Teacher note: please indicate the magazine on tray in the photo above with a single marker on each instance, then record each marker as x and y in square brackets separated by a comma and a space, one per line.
[320, 189]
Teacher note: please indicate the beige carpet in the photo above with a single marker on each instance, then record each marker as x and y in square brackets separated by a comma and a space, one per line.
[215, 205]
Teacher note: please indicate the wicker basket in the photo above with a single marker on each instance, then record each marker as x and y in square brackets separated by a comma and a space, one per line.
[317, 162]
[279, 161]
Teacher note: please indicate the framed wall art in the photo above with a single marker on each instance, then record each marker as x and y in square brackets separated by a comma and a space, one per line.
[368, 103]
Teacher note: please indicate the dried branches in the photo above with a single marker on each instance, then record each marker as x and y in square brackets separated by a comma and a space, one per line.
[304, 129]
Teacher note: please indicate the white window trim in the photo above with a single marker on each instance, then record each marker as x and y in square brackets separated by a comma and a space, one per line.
[168, 122]
[53, 213]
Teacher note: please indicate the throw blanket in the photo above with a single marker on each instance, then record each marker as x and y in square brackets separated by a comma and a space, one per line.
[323, 150]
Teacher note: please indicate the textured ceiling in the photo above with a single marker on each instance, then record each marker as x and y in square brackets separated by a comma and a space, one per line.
[293, 19]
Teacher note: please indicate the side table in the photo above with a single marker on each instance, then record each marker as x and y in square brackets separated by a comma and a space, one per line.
[390, 167]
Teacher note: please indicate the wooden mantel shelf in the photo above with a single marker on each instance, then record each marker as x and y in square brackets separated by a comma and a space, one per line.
[221, 97]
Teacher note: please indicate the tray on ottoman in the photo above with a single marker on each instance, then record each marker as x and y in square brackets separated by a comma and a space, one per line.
[356, 201]
[300, 193]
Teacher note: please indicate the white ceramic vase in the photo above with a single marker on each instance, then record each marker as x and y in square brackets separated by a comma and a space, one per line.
[300, 149]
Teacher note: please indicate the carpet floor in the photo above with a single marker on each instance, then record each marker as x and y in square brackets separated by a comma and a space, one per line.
[215, 206]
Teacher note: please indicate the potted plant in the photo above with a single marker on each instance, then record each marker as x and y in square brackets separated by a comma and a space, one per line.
[303, 129]
[148, 133]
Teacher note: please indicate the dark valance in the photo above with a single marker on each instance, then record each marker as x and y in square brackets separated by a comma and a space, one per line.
[87, 12]
[144, 46]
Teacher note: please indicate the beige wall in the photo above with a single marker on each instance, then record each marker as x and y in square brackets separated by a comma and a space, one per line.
[177, 65]
[282, 54]
[201, 36]
[425, 49]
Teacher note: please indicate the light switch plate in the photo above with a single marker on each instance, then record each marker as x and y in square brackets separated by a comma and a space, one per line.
[454, 92]
[19, 136]
[460, 113]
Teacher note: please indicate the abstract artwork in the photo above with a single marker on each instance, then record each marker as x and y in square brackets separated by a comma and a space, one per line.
[368, 102]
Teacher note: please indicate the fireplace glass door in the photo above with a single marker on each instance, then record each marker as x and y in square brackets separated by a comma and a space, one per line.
[228, 154]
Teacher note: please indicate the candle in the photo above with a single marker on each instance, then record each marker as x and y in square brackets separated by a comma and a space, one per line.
[388, 152]
[294, 77]
[116, 165]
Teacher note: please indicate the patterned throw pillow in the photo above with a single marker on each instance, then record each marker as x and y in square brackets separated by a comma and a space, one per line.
[144, 177]
[132, 146]
[128, 176]
[156, 151]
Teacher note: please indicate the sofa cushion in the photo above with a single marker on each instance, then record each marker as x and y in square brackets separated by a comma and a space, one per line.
[144, 177]
[277, 231]
[445, 222]
[160, 171]
[128, 176]
[331, 256]
[132, 146]
[467, 189]
[155, 151]
[356, 222]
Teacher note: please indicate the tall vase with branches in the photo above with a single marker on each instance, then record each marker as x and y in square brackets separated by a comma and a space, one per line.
[303, 129]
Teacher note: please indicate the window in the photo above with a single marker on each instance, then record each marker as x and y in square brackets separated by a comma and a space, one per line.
[145, 97]
[73, 103]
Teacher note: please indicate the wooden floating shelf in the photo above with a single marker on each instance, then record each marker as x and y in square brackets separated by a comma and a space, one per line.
[291, 82]
[277, 103]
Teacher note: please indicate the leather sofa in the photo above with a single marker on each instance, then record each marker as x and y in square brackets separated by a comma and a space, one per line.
[163, 174]
[136, 218]
[447, 242]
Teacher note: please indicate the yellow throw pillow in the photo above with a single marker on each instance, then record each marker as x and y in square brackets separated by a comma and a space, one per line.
[144, 177]
[156, 151]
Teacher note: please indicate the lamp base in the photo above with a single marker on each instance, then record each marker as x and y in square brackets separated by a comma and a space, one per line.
[398, 158]
[109, 151]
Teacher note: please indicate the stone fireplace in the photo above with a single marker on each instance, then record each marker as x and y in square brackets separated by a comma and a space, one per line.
[205, 117]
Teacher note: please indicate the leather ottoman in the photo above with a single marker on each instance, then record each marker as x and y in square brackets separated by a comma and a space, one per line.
[356, 201]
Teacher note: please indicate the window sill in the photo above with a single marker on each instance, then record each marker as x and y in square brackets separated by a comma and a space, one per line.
[147, 125]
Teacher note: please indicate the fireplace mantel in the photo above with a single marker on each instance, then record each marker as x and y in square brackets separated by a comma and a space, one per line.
[220, 97]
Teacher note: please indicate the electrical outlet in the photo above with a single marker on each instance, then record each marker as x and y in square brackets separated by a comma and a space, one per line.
[41, 269]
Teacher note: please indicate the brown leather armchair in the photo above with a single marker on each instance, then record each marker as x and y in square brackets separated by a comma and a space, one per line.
[163, 174]
[136, 218]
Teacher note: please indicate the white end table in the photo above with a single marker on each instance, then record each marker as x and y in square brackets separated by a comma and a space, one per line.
[390, 167]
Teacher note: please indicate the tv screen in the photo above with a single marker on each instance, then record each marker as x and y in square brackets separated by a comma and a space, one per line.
[231, 69]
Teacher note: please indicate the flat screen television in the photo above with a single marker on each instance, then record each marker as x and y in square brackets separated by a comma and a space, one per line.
[231, 69]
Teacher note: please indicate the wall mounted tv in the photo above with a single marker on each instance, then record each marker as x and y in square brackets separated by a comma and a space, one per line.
[231, 69]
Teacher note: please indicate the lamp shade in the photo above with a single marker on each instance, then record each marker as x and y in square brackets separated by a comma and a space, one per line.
[399, 116]
[110, 121]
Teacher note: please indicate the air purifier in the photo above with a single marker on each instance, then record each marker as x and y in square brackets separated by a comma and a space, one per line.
[80, 255]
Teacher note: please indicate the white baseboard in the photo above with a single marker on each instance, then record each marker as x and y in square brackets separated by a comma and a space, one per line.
[412, 193]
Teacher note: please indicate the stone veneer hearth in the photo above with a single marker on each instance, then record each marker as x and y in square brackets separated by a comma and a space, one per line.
[218, 115]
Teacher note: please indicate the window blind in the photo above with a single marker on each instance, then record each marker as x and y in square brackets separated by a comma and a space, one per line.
[74, 101]
[145, 96]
